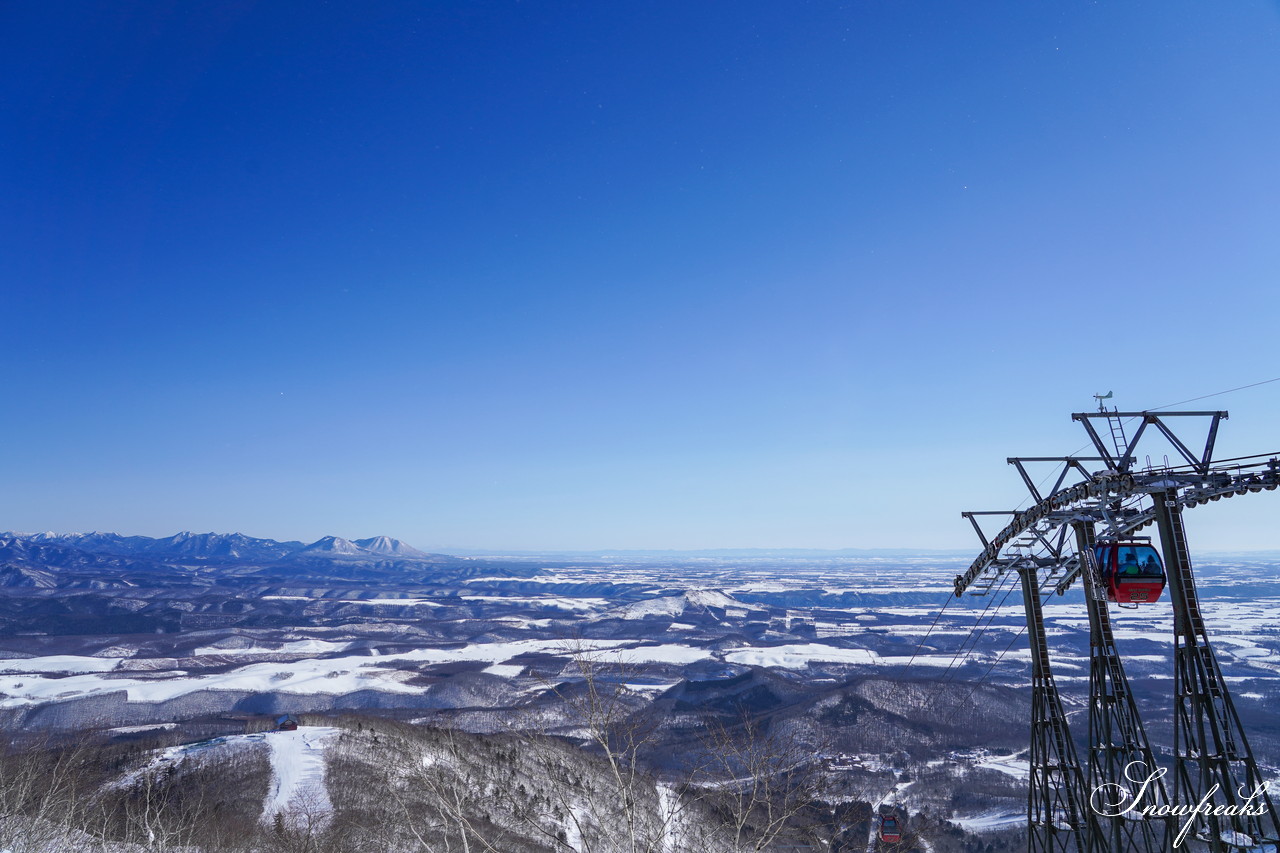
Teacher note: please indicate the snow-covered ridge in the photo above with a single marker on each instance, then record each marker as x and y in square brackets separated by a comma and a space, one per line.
[696, 599]
[34, 680]
[224, 546]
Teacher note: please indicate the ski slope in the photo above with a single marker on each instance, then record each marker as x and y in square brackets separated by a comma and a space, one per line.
[298, 790]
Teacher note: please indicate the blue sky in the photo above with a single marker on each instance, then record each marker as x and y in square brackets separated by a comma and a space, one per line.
[585, 275]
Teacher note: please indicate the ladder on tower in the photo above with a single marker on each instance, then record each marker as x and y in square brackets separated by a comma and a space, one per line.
[1118, 439]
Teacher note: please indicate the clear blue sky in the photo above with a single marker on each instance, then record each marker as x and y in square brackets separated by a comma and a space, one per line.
[584, 275]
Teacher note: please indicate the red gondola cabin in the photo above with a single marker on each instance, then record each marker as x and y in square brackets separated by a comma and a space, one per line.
[890, 830]
[1131, 571]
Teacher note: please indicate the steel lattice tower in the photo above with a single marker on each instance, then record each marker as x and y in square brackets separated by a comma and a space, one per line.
[1212, 757]
[1213, 763]
[1058, 815]
[1120, 757]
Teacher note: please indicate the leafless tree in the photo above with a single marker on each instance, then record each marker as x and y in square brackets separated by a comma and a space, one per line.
[303, 826]
[148, 813]
[757, 786]
[580, 781]
[46, 795]
[619, 805]
[745, 792]
[428, 789]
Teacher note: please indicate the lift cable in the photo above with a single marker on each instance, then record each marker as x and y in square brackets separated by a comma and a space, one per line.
[1195, 399]
[962, 652]
[1156, 409]
[941, 682]
[1215, 394]
[936, 619]
[920, 645]
[976, 634]
[1022, 630]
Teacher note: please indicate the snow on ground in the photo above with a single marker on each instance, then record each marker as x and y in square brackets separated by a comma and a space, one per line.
[675, 605]
[330, 676]
[60, 663]
[547, 577]
[296, 647]
[799, 656]
[558, 602]
[656, 687]
[670, 605]
[942, 661]
[668, 814]
[425, 602]
[573, 828]
[505, 670]
[521, 622]
[34, 680]
[175, 755]
[1007, 764]
[335, 668]
[153, 727]
[672, 653]
[297, 787]
[990, 821]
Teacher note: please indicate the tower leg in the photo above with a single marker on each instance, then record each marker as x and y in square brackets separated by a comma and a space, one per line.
[1058, 817]
[1120, 757]
[1212, 757]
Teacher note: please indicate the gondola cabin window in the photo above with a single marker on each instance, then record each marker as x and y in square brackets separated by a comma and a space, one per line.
[1132, 572]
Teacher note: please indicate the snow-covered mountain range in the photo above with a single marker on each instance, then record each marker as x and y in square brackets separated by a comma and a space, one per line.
[222, 547]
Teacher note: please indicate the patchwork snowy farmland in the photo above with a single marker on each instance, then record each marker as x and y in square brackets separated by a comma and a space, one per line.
[844, 655]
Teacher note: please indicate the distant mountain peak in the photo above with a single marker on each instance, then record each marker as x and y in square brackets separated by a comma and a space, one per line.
[390, 547]
[333, 545]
